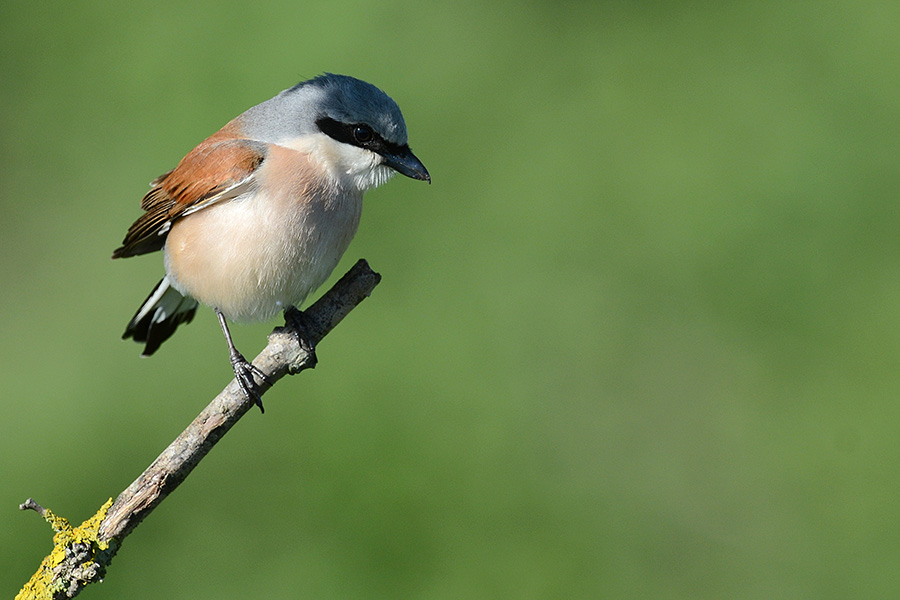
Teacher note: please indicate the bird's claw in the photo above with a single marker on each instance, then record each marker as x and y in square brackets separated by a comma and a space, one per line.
[296, 320]
[245, 373]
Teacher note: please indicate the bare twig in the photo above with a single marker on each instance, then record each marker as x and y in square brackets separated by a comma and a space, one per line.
[30, 504]
[283, 355]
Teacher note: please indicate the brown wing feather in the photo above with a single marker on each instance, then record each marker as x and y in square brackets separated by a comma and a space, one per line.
[209, 170]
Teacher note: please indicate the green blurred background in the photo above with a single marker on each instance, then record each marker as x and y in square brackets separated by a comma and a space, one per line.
[640, 338]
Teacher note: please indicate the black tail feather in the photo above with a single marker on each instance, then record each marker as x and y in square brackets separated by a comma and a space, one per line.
[159, 316]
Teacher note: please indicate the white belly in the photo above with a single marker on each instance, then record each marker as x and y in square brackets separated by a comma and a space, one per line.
[256, 255]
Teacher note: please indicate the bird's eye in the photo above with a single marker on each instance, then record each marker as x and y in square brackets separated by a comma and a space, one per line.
[362, 134]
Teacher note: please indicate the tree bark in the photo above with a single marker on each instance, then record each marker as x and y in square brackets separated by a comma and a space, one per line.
[283, 355]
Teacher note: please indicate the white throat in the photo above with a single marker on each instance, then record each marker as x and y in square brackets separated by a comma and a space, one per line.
[349, 166]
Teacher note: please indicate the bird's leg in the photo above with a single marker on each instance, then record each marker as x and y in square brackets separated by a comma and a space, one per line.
[243, 369]
[296, 320]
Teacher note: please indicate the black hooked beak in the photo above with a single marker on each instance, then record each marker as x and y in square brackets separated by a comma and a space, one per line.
[405, 162]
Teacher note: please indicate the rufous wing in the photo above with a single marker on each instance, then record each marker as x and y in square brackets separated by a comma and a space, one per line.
[215, 171]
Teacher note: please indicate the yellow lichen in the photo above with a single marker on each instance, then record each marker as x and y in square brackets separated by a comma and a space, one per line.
[44, 583]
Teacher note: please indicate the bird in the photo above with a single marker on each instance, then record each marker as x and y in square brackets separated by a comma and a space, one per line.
[257, 216]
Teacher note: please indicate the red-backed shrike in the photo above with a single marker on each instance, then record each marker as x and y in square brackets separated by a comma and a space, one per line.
[257, 216]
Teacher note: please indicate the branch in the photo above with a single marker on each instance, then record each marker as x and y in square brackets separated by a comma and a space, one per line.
[282, 356]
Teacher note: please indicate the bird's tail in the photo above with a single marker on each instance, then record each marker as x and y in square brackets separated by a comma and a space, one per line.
[160, 314]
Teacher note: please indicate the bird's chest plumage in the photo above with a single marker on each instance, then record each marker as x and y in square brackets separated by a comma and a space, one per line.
[254, 256]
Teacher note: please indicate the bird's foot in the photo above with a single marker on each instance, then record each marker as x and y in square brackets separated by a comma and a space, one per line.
[296, 320]
[244, 372]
